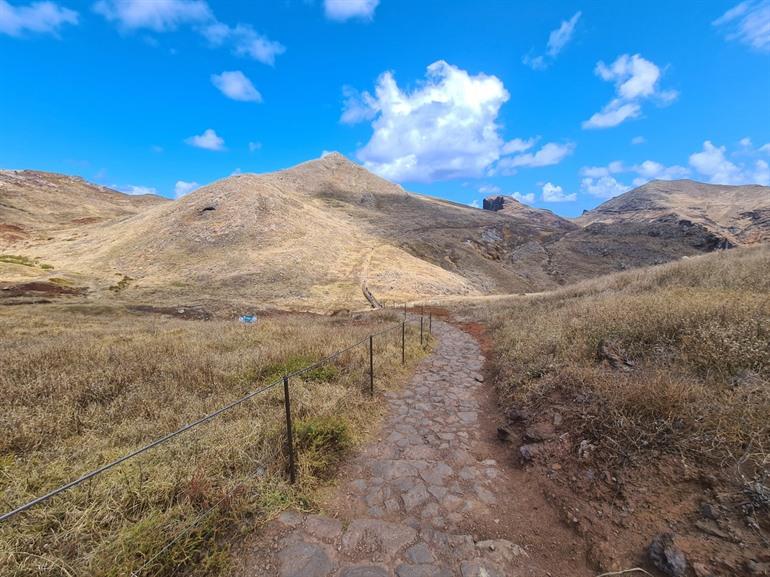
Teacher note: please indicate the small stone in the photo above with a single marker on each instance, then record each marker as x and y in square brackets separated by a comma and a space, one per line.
[477, 569]
[304, 560]
[415, 497]
[709, 511]
[528, 452]
[291, 518]
[422, 570]
[666, 556]
[364, 571]
[419, 554]
[324, 528]
[555, 467]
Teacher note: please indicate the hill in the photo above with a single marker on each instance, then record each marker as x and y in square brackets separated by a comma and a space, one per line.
[35, 206]
[323, 234]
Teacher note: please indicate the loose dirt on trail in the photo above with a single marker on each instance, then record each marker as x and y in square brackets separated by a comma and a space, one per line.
[434, 495]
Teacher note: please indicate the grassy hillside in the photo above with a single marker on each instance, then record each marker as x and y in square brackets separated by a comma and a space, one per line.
[661, 374]
[81, 386]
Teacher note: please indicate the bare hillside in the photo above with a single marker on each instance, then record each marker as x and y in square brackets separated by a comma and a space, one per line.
[319, 235]
[36, 205]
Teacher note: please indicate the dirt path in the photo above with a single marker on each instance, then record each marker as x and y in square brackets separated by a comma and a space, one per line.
[427, 498]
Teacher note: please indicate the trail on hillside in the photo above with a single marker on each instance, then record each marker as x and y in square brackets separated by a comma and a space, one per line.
[433, 496]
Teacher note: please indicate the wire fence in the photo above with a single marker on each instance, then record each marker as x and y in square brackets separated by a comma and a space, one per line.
[280, 385]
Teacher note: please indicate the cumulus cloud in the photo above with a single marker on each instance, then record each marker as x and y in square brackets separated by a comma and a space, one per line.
[235, 85]
[444, 128]
[209, 140]
[638, 140]
[254, 146]
[712, 163]
[37, 17]
[603, 186]
[554, 193]
[636, 79]
[134, 190]
[557, 40]
[489, 189]
[182, 188]
[341, 10]
[168, 15]
[748, 23]
[549, 154]
[527, 198]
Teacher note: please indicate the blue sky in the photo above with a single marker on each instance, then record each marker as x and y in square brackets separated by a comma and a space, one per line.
[563, 104]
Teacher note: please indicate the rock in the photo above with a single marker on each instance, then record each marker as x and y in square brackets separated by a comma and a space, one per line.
[324, 528]
[478, 569]
[419, 554]
[713, 531]
[373, 535]
[666, 556]
[539, 432]
[557, 419]
[528, 452]
[611, 353]
[422, 570]
[516, 415]
[364, 571]
[503, 433]
[709, 511]
[500, 550]
[290, 519]
[304, 560]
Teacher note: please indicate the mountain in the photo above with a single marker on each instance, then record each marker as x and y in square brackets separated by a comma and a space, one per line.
[37, 205]
[659, 222]
[325, 235]
[735, 215]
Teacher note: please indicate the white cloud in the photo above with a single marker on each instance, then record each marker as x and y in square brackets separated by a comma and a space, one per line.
[638, 140]
[37, 17]
[235, 85]
[445, 128]
[557, 40]
[155, 15]
[765, 148]
[603, 187]
[475, 203]
[651, 170]
[518, 145]
[208, 140]
[254, 146]
[554, 193]
[749, 23]
[489, 189]
[342, 10]
[167, 15]
[549, 154]
[134, 190]
[745, 142]
[599, 180]
[182, 188]
[712, 163]
[527, 198]
[636, 79]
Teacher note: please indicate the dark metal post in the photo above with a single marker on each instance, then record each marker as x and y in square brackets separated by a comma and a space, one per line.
[371, 364]
[289, 431]
[403, 343]
[430, 323]
[404, 311]
[421, 319]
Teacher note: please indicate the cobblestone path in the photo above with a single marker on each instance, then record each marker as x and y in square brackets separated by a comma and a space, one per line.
[410, 500]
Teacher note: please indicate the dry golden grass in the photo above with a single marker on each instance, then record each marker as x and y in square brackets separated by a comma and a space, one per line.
[83, 385]
[698, 334]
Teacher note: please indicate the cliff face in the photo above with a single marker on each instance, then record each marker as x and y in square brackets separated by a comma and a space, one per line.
[509, 206]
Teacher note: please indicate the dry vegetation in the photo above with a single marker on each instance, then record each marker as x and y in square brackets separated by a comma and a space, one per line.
[661, 376]
[83, 385]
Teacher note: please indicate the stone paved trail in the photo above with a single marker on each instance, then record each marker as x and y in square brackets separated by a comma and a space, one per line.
[412, 500]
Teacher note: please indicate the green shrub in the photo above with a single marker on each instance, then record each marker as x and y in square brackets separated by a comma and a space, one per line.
[321, 443]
